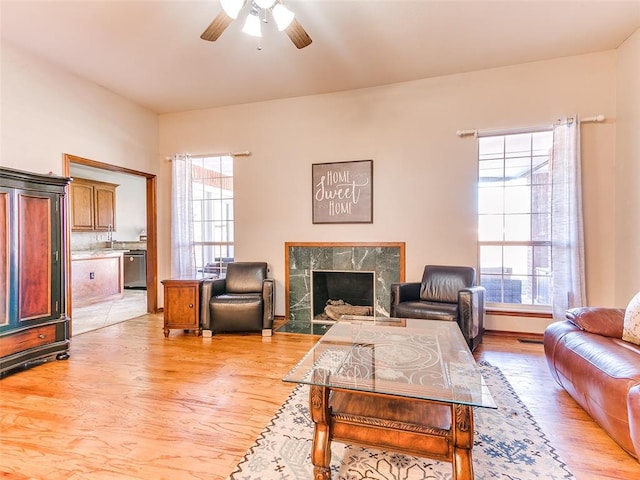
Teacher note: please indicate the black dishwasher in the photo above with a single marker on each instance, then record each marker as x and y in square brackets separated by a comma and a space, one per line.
[135, 269]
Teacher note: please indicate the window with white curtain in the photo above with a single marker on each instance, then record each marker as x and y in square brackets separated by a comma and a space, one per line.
[212, 186]
[202, 222]
[514, 219]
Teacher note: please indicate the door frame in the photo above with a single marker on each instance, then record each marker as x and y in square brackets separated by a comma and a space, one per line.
[152, 229]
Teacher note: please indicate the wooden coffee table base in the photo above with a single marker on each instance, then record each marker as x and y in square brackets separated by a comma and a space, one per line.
[437, 430]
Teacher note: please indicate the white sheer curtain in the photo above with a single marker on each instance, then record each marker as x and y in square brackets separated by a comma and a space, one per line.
[182, 251]
[567, 238]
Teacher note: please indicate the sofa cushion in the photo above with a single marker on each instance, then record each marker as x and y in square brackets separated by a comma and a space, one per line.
[599, 320]
[631, 330]
[236, 312]
[428, 310]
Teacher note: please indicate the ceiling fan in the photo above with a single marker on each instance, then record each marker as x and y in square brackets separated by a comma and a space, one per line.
[284, 18]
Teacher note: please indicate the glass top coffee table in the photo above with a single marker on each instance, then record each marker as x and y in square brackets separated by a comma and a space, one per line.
[404, 384]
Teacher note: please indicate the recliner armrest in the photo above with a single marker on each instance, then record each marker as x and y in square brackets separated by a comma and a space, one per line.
[210, 287]
[477, 290]
[403, 292]
[471, 311]
[218, 286]
[268, 298]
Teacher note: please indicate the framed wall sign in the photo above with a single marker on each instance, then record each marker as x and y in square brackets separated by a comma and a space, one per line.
[343, 192]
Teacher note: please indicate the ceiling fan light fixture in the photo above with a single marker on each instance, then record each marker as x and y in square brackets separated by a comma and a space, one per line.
[232, 7]
[282, 15]
[252, 25]
[284, 19]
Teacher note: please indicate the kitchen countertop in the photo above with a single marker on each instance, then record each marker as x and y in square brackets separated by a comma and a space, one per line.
[130, 244]
[104, 252]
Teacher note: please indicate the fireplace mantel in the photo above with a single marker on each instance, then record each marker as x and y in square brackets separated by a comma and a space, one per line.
[386, 259]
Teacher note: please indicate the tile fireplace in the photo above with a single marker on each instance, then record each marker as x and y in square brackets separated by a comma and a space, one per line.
[383, 261]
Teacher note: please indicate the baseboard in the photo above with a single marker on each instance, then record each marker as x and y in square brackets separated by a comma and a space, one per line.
[521, 336]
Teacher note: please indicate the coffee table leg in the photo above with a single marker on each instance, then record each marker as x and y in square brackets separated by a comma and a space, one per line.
[462, 430]
[321, 416]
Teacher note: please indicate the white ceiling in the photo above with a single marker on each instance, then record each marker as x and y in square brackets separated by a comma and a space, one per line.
[150, 51]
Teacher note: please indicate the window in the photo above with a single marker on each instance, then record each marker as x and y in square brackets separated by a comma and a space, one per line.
[212, 187]
[514, 218]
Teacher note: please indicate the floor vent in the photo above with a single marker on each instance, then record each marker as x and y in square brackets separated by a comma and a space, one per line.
[531, 340]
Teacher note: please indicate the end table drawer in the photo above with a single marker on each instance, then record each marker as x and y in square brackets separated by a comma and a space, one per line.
[31, 338]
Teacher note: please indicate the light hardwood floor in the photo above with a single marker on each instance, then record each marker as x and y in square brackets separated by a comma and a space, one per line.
[130, 404]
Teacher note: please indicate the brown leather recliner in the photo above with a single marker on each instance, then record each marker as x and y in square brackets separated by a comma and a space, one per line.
[445, 293]
[589, 359]
[241, 302]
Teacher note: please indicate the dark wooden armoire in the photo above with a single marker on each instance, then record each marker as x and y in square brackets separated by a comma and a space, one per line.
[34, 326]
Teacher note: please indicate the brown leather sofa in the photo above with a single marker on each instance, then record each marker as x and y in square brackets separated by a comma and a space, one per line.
[589, 359]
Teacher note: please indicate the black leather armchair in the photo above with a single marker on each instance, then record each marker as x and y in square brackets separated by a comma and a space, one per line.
[445, 293]
[241, 302]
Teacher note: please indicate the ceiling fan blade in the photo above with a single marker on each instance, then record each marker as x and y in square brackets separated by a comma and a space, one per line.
[297, 34]
[215, 28]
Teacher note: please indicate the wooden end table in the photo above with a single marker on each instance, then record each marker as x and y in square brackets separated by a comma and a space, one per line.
[182, 304]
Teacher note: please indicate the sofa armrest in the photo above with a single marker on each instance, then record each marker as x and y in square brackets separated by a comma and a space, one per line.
[218, 286]
[604, 321]
[471, 308]
[205, 296]
[210, 287]
[403, 292]
[633, 407]
[268, 298]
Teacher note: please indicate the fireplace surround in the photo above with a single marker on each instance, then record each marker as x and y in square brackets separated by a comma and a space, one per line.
[385, 259]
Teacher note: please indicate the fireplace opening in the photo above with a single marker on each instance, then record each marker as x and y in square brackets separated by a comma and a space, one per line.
[339, 292]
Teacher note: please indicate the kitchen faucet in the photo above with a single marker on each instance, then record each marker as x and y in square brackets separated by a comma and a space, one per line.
[110, 235]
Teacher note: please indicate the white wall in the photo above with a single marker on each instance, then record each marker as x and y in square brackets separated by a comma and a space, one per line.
[47, 112]
[627, 246]
[424, 175]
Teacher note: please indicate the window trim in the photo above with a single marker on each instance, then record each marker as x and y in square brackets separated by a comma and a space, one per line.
[514, 131]
[490, 310]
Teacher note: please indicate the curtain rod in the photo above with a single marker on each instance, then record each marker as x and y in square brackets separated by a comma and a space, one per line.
[464, 133]
[245, 153]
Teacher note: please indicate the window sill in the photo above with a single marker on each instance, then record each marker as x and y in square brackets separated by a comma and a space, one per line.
[515, 312]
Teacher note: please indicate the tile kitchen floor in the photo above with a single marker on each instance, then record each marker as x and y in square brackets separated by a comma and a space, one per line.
[99, 315]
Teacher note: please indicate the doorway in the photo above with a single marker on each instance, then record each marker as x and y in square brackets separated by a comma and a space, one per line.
[130, 300]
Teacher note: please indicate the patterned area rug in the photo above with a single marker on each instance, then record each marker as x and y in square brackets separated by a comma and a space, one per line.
[508, 445]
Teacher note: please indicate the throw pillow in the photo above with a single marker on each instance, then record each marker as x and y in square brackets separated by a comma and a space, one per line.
[631, 331]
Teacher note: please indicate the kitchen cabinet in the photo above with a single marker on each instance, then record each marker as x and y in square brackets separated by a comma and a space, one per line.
[33, 322]
[182, 304]
[93, 205]
[96, 276]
